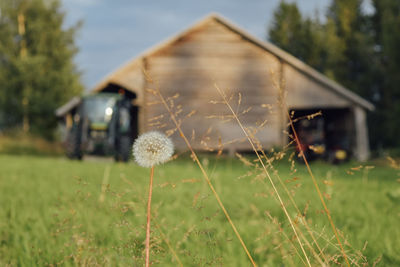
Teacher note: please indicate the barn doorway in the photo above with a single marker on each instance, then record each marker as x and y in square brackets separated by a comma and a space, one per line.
[326, 133]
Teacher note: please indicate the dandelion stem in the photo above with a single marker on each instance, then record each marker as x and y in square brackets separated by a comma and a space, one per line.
[148, 218]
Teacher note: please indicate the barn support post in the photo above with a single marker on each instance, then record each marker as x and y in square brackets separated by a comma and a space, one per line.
[282, 105]
[142, 107]
[361, 133]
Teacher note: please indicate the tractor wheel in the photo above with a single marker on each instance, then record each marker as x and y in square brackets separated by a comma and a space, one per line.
[73, 144]
[124, 146]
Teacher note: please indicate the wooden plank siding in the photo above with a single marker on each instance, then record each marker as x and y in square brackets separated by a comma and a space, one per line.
[305, 92]
[215, 55]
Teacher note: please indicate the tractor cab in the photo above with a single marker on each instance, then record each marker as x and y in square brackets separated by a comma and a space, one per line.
[102, 124]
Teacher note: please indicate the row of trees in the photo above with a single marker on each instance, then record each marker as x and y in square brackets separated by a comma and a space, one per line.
[37, 72]
[357, 49]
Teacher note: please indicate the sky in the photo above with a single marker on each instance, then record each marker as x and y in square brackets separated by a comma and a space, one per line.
[115, 31]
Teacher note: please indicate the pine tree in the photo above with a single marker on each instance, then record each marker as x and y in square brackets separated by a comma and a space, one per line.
[305, 38]
[351, 29]
[385, 30]
[287, 29]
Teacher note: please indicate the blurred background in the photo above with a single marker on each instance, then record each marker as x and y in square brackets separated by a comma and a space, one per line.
[51, 50]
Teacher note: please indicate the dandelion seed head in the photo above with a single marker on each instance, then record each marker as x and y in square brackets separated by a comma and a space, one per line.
[152, 148]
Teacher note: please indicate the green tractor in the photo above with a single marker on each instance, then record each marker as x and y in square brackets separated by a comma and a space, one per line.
[101, 124]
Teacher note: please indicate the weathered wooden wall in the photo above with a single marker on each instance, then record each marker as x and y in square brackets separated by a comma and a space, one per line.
[305, 92]
[210, 55]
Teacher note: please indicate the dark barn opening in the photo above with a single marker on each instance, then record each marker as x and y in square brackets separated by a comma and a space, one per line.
[115, 88]
[327, 134]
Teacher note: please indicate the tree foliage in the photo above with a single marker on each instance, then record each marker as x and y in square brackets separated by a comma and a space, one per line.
[385, 29]
[36, 63]
[357, 49]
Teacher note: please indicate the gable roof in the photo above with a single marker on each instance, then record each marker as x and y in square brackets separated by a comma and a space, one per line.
[271, 48]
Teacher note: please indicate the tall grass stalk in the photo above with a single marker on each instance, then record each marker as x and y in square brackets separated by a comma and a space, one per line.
[281, 230]
[265, 170]
[106, 177]
[281, 93]
[309, 230]
[327, 211]
[164, 237]
[304, 221]
[205, 175]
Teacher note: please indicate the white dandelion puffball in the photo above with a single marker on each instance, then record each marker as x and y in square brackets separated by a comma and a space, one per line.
[152, 148]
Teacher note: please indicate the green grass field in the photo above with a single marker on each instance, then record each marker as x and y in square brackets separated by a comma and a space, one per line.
[53, 212]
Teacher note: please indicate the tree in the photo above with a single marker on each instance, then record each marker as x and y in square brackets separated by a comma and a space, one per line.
[385, 30]
[287, 29]
[372, 62]
[36, 64]
[305, 38]
[356, 49]
[351, 29]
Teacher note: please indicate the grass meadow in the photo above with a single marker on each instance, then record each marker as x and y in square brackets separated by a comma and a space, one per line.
[57, 212]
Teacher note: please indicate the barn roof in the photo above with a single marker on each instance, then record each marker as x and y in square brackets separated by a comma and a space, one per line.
[67, 107]
[271, 48]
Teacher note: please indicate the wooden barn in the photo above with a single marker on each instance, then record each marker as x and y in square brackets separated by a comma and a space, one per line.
[215, 51]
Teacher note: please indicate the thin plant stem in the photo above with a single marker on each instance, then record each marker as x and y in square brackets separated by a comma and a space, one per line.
[148, 218]
[328, 213]
[266, 172]
[353, 261]
[104, 183]
[280, 88]
[205, 175]
[294, 204]
[291, 242]
[164, 237]
[298, 211]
